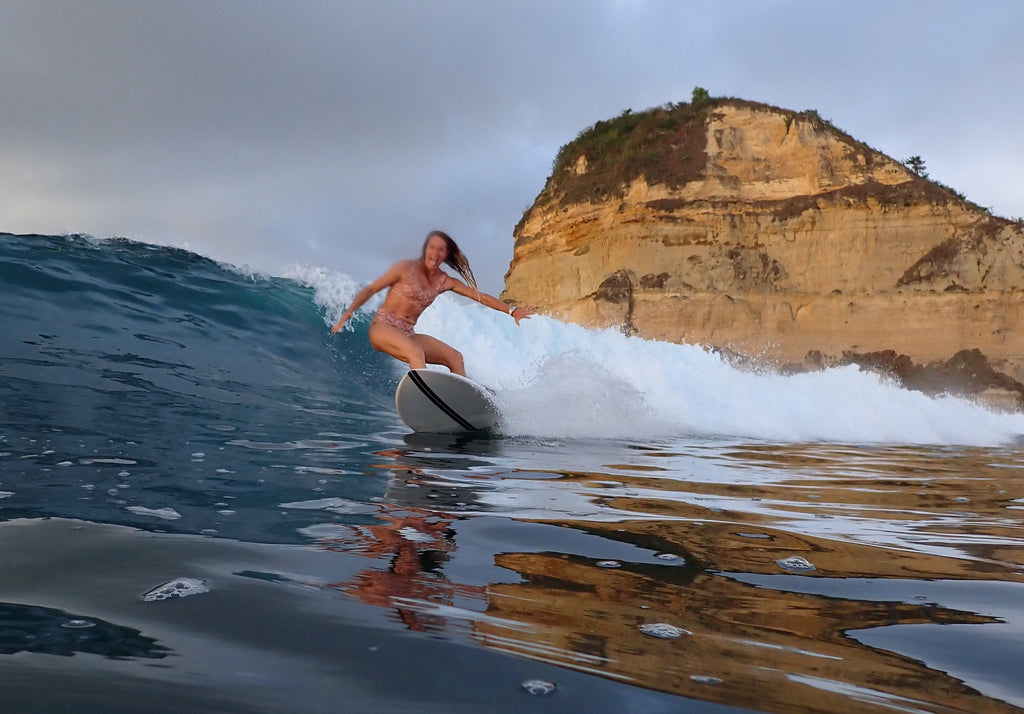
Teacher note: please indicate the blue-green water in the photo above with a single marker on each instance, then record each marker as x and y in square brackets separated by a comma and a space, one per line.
[820, 543]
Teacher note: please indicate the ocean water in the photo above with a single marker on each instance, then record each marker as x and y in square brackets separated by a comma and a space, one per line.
[207, 503]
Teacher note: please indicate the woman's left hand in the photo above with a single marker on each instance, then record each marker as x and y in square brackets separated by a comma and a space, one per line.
[523, 313]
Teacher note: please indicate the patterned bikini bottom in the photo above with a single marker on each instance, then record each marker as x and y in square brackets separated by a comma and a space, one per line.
[390, 318]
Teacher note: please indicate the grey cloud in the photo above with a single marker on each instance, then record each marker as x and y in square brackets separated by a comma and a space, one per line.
[338, 133]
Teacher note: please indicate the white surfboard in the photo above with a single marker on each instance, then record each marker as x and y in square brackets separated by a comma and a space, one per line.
[438, 402]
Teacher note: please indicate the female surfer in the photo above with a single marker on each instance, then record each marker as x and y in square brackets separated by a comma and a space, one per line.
[413, 285]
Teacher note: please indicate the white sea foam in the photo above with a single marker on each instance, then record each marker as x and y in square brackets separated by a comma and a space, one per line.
[335, 505]
[559, 380]
[177, 588]
[332, 291]
[168, 514]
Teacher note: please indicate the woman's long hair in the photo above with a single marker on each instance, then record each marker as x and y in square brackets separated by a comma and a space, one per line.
[456, 258]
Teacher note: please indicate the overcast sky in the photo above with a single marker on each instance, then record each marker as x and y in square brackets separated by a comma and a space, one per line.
[337, 134]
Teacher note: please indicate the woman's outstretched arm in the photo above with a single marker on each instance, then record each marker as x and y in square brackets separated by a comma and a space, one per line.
[518, 313]
[388, 279]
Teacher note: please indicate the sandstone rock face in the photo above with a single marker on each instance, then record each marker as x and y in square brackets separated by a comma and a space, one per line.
[769, 234]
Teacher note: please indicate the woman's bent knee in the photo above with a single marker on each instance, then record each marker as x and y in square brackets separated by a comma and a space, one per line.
[455, 363]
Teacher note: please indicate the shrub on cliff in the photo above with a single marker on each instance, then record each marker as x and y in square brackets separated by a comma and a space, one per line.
[665, 144]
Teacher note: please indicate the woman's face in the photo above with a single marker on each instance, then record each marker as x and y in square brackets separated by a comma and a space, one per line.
[435, 253]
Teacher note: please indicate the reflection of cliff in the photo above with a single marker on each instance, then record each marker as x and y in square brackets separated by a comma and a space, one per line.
[771, 234]
[764, 645]
[770, 648]
[757, 636]
[774, 649]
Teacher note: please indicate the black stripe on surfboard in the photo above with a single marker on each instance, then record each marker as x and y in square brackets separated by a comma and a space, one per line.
[438, 402]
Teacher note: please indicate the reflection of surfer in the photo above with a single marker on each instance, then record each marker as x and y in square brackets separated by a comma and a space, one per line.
[416, 545]
[413, 286]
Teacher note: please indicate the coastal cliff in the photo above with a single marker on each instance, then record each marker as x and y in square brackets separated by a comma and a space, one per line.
[775, 237]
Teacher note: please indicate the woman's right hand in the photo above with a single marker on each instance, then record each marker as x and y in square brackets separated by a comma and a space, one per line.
[340, 323]
[386, 280]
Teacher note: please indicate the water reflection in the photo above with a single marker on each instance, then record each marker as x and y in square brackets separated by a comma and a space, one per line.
[409, 551]
[879, 531]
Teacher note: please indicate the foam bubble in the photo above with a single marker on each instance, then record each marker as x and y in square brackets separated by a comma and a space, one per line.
[78, 624]
[538, 687]
[334, 505]
[663, 630]
[177, 588]
[705, 679]
[168, 514]
[795, 564]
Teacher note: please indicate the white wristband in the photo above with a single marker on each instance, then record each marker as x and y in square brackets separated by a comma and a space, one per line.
[511, 310]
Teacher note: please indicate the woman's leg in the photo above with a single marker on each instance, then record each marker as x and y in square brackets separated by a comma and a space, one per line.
[437, 352]
[390, 340]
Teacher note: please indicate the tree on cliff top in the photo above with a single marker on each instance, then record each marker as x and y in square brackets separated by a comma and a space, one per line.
[916, 164]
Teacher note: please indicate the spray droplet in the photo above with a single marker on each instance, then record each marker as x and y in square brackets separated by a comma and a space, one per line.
[179, 587]
[704, 679]
[663, 630]
[795, 564]
[538, 687]
[78, 624]
[168, 514]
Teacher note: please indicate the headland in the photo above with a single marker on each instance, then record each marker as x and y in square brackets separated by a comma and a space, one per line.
[780, 240]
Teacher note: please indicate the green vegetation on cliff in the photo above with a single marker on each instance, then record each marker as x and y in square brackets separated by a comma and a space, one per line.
[667, 145]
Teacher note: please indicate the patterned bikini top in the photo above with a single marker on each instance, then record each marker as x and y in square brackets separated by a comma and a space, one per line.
[420, 298]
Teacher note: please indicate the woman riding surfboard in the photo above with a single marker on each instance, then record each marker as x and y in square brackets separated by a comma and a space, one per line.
[412, 286]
